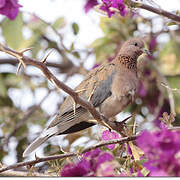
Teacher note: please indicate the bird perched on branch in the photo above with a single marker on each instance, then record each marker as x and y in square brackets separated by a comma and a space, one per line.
[110, 88]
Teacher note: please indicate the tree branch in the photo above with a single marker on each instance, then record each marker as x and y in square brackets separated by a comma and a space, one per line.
[154, 10]
[23, 174]
[23, 60]
[64, 67]
[61, 156]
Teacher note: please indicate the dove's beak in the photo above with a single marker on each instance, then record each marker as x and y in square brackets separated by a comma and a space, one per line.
[146, 51]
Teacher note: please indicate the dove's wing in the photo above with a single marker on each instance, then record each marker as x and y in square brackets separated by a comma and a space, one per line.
[96, 87]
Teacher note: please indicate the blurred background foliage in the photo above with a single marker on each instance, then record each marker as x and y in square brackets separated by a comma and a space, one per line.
[21, 124]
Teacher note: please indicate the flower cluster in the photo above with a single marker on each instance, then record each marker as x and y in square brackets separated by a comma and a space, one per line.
[9, 8]
[107, 135]
[109, 6]
[93, 163]
[162, 149]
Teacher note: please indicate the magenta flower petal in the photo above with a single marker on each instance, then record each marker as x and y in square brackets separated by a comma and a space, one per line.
[15, 3]
[2, 3]
[9, 8]
[105, 156]
[76, 170]
[92, 153]
[96, 65]
[119, 4]
[161, 148]
[107, 135]
[107, 10]
[89, 5]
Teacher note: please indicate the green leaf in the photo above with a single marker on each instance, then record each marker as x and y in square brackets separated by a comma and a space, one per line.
[38, 27]
[30, 41]
[98, 42]
[12, 31]
[59, 23]
[75, 28]
[171, 23]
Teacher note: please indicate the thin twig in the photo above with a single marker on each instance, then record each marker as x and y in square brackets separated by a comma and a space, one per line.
[24, 174]
[61, 156]
[172, 89]
[154, 10]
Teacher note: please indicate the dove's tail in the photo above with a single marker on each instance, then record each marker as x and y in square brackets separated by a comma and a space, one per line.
[44, 136]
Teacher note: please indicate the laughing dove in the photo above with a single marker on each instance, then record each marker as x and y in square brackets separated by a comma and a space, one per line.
[110, 88]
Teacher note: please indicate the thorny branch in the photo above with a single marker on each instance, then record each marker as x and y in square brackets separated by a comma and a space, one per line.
[61, 156]
[60, 85]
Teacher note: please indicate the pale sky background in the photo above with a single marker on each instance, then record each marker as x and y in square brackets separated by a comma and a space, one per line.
[72, 10]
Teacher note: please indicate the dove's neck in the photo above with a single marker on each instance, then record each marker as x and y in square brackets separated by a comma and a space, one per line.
[128, 61]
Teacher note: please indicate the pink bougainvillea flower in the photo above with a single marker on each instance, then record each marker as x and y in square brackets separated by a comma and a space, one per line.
[82, 168]
[103, 157]
[162, 149]
[106, 7]
[107, 135]
[92, 153]
[117, 4]
[9, 8]
[89, 164]
[89, 5]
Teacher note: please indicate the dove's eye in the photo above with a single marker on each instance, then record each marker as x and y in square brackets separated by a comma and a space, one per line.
[136, 44]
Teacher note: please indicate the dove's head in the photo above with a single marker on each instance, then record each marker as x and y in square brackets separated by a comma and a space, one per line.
[133, 47]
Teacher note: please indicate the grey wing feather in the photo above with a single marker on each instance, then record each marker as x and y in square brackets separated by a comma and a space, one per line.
[35, 144]
[103, 91]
